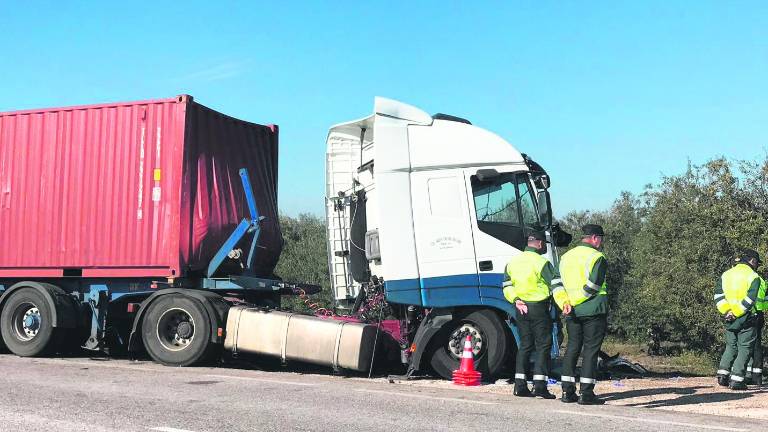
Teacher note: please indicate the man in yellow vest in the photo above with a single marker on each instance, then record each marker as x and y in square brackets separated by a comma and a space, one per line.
[755, 365]
[736, 294]
[584, 303]
[529, 280]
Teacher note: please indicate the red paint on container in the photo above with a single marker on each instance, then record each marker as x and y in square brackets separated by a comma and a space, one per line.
[137, 189]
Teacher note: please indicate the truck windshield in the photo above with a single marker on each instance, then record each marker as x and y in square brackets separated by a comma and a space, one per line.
[504, 207]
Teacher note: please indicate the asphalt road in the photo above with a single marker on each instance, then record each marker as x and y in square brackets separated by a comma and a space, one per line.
[81, 394]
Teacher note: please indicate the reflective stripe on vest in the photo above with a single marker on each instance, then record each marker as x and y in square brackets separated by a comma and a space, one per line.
[575, 268]
[524, 278]
[736, 283]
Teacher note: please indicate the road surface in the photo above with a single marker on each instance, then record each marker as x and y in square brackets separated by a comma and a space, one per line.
[81, 394]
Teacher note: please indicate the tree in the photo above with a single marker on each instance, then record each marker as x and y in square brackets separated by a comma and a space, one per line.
[304, 257]
[667, 248]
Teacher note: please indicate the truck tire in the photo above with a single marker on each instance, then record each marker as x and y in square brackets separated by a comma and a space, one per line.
[26, 324]
[176, 331]
[490, 340]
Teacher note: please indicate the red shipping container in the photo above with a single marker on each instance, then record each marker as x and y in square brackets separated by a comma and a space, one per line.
[137, 189]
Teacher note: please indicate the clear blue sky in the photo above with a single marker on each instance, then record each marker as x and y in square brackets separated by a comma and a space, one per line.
[607, 96]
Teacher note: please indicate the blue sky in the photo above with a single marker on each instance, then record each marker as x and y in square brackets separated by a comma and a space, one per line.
[608, 97]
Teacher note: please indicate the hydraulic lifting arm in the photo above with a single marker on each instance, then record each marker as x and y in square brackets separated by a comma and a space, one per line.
[246, 226]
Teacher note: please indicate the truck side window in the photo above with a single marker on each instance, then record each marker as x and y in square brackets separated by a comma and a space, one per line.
[497, 210]
[495, 202]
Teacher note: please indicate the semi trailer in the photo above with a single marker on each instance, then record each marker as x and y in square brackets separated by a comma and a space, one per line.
[152, 226]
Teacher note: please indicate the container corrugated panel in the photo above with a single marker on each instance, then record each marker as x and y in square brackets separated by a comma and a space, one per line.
[139, 189]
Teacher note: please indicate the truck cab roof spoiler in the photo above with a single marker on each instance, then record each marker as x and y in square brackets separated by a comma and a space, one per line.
[389, 108]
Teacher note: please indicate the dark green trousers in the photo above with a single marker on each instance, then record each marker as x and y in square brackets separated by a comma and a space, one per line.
[585, 337]
[535, 330]
[755, 364]
[739, 341]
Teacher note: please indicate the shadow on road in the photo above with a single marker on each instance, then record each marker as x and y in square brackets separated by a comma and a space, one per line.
[693, 399]
[688, 396]
[650, 392]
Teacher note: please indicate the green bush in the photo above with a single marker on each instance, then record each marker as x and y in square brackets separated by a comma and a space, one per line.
[304, 258]
[667, 247]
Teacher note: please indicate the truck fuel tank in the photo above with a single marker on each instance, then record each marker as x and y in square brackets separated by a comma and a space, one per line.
[289, 336]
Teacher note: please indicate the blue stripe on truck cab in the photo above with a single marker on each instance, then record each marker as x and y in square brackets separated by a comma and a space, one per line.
[405, 291]
[449, 291]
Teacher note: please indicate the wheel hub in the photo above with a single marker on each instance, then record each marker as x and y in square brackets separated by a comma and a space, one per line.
[176, 329]
[32, 322]
[184, 330]
[27, 321]
[457, 338]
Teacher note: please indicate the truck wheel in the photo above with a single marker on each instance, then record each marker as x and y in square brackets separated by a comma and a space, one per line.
[176, 331]
[26, 324]
[490, 344]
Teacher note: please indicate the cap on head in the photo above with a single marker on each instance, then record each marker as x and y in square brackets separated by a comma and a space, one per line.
[537, 235]
[592, 229]
[747, 254]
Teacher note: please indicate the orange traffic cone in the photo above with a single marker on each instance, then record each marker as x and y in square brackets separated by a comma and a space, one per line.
[466, 375]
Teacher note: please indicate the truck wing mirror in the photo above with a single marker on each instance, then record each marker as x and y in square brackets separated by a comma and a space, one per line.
[559, 237]
[542, 181]
[487, 174]
[545, 210]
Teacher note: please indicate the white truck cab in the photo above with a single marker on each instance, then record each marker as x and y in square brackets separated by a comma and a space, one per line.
[430, 207]
[447, 203]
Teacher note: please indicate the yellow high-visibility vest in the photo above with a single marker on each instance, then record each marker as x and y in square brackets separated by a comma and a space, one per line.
[736, 282]
[575, 267]
[524, 279]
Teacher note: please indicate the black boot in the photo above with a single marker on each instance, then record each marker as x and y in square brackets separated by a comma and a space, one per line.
[569, 393]
[540, 390]
[737, 385]
[521, 389]
[722, 380]
[590, 399]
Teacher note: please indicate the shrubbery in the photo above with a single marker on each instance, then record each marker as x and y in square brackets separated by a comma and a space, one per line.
[668, 246]
[304, 257]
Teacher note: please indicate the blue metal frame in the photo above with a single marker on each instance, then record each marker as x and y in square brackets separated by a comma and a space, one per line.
[246, 226]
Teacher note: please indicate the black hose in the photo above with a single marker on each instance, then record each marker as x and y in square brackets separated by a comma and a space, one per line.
[359, 300]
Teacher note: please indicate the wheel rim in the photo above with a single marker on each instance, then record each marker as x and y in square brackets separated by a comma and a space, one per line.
[456, 340]
[176, 329]
[27, 321]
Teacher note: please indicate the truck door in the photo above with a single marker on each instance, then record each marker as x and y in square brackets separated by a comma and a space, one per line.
[443, 234]
[502, 210]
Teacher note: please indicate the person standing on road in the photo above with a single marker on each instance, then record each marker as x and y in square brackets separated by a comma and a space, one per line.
[528, 284]
[755, 364]
[584, 303]
[735, 297]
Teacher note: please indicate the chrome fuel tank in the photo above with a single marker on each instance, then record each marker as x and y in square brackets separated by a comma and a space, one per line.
[288, 336]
